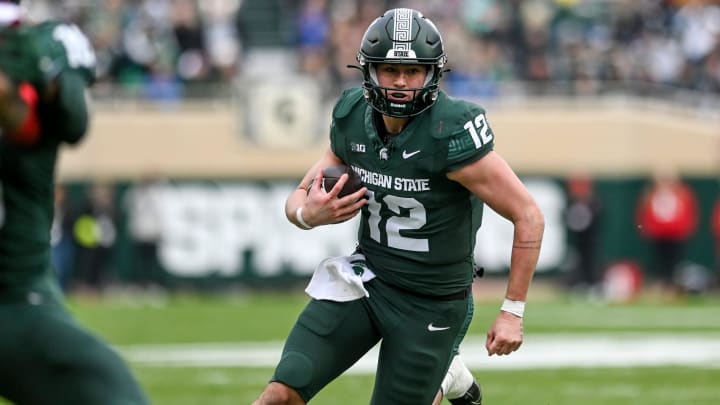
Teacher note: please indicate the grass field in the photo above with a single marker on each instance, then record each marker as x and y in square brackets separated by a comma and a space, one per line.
[251, 317]
[129, 321]
[625, 386]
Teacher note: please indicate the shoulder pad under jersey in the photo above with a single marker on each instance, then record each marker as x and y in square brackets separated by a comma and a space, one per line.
[347, 101]
[451, 115]
[67, 48]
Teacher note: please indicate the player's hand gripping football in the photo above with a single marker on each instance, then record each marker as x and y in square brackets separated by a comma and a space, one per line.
[505, 335]
[323, 207]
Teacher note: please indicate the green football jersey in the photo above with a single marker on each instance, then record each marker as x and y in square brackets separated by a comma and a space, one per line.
[27, 173]
[418, 229]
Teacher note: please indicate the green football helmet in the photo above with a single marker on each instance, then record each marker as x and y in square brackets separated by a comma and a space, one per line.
[403, 36]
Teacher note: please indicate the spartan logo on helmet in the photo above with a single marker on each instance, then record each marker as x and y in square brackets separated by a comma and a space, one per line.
[403, 36]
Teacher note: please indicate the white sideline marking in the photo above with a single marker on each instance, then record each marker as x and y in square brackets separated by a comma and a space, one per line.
[538, 351]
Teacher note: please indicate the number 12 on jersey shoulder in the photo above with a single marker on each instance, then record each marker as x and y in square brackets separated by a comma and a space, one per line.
[479, 123]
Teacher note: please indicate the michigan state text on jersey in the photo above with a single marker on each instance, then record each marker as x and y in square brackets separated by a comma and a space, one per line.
[418, 228]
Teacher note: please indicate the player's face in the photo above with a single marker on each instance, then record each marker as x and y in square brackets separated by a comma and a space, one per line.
[400, 77]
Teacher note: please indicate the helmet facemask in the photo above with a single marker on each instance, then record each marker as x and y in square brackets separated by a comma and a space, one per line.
[402, 36]
[421, 98]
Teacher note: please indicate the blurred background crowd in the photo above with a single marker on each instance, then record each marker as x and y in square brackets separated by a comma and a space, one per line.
[166, 48]
[172, 50]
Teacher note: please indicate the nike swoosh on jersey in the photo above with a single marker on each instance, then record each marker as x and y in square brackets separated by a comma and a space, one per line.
[433, 328]
[407, 155]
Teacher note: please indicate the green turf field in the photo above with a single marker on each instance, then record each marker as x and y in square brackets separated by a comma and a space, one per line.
[129, 321]
[631, 386]
[135, 319]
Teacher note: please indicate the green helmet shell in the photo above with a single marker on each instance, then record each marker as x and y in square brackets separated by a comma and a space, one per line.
[405, 36]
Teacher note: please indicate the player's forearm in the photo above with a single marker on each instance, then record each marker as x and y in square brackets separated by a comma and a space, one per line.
[294, 202]
[296, 199]
[12, 108]
[527, 240]
[19, 119]
[68, 112]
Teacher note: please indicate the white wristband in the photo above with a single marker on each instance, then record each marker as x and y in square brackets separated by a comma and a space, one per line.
[516, 308]
[301, 221]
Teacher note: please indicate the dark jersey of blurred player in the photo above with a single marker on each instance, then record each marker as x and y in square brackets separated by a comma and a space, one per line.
[27, 171]
[45, 356]
[412, 203]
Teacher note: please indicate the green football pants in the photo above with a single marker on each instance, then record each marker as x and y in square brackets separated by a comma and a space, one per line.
[47, 358]
[418, 338]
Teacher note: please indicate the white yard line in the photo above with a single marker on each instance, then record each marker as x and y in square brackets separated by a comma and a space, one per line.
[538, 351]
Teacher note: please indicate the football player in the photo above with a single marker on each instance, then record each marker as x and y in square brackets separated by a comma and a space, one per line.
[45, 356]
[428, 165]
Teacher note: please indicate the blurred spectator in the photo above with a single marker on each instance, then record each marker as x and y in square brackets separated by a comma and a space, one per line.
[222, 40]
[143, 203]
[697, 26]
[313, 25]
[61, 238]
[192, 60]
[95, 233]
[532, 28]
[583, 223]
[667, 216]
[161, 48]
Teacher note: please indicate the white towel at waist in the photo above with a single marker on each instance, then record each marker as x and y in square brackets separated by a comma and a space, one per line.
[340, 279]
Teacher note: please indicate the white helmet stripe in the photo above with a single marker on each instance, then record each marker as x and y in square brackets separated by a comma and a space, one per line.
[403, 29]
[402, 37]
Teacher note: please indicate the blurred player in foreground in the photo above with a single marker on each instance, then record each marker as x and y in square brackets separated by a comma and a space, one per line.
[45, 356]
[427, 163]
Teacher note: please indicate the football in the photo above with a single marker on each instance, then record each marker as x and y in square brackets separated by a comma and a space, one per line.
[331, 175]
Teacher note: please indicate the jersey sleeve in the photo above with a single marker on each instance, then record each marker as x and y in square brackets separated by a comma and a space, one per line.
[68, 49]
[335, 139]
[68, 116]
[471, 139]
[72, 67]
[344, 106]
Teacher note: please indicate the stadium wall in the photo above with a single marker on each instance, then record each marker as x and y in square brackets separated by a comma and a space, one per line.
[221, 209]
[604, 138]
[234, 231]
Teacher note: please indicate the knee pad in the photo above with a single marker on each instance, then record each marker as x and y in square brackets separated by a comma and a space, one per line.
[295, 370]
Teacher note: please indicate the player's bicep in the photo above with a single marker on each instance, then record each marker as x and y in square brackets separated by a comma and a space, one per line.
[68, 114]
[492, 180]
